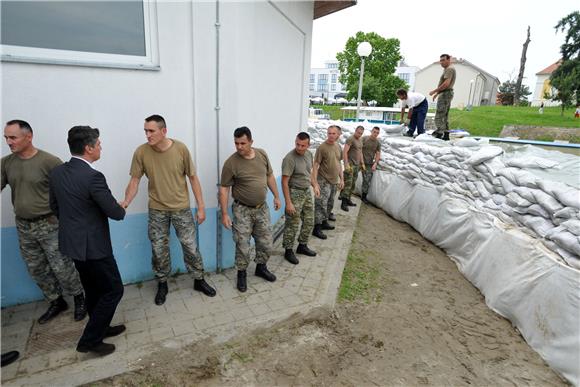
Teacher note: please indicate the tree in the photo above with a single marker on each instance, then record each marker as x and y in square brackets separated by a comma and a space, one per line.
[507, 93]
[380, 82]
[566, 78]
[517, 89]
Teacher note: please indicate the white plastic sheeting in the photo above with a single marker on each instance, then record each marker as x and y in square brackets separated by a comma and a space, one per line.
[520, 279]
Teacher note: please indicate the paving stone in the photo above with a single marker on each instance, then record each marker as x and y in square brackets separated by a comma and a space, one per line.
[135, 326]
[62, 357]
[223, 318]
[162, 333]
[134, 314]
[182, 327]
[138, 339]
[156, 310]
[33, 365]
[9, 371]
[259, 309]
[175, 305]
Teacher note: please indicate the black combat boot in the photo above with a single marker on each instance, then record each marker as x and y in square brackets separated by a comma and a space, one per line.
[262, 271]
[201, 286]
[9, 357]
[344, 205]
[304, 249]
[242, 285]
[364, 198]
[80, 307]
[445, 136]
[56, 306]
[162, 291]
[317, 232]
[331, 217]
[350, 203]
[326, 226]
[290, 257]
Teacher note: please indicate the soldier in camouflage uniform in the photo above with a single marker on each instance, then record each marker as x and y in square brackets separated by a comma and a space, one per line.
[168, 165]
[249, 173]
[371, 149]
[353, 161]
[444, 95]
[326, 172]
[27, 170]
[296, 169]
[334, 188]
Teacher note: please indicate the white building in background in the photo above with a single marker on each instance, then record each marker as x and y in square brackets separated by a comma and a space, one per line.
[407, 74]
[544, 90]
[323, 81]
[473, 85]
[207, 66]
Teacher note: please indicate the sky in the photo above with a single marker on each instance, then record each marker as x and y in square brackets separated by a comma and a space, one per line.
[489, 34]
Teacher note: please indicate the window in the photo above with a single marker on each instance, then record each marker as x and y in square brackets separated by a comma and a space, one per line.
[311, 88]
[333, 87]
[92, 33]
[333, 78]
[332, 65]
[312, 78]
[404, 76]
[322, 82]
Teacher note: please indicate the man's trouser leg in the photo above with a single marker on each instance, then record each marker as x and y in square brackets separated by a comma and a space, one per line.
[159, 222]
[321, 202]
[331, 199]
[104, 287]
[367, 175]
[299, 198]
[307, 216]
[349, 181]
[418, 116]
[442, 112]
[262, 234]
[52, 271]
[186, 232]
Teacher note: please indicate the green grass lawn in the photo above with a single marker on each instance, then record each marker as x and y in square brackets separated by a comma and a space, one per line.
[489, 120]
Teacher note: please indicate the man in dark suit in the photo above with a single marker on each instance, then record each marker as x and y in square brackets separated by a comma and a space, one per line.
[81, 199]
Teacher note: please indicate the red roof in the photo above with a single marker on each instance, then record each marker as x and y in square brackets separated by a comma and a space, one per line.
[551, 68]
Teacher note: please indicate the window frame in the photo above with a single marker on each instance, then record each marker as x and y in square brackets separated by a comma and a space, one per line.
[25, 54]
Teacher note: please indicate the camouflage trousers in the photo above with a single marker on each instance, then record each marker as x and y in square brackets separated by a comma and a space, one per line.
[53, 272]
[251, 222]
[367, 175]
[333, 190]
[304, 206]
[349, 180]
[321, 203]
[182, 220]
[442, 112]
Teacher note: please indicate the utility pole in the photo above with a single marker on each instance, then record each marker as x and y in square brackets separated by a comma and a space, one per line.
[522, 67]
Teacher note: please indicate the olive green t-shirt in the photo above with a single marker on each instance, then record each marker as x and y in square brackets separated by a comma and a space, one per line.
[449, 72]
[167, 172]
[369, 148]
[248, 178]
[328, 156]
[298, 167]
[28, 180]
[354, 150]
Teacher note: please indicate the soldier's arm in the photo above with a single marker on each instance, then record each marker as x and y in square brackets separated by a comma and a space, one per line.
[131, 191]
[286, 192]
[274, 188]
[345, 154]
[224, 193]
[4, 177]
[196, 189]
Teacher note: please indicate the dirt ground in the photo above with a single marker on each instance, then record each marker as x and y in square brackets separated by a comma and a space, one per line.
[405, 316]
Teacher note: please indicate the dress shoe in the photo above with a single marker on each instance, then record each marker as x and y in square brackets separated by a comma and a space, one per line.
[326, 226]
[101, 349]
[262, 271]
[331, 217]
[56, 306]
[350, 203]
[242, 285]
[317, 232]
[9, 357]
[162, 291]
[115, 331]
[344, 205]
[290, 257]
[305, 250]
[80, 307]
[201, 286]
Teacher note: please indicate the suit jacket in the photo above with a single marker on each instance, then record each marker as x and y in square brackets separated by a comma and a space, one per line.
[81, 199]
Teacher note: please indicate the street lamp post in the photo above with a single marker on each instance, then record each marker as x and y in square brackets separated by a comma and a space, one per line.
[364, 49]
[469, 97]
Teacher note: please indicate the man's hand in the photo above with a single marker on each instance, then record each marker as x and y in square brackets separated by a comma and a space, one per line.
[347, 168]
[363, 167]
[277, 204]
[316, 189]
[290, 210]
[341, 184]
[124, 204]
[200, 216]
[226, 221]
[374, 167]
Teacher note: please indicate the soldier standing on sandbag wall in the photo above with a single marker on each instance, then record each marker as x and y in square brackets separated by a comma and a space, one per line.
[296, 182]
[326, 172]
[371, 150]
[353, 160]
[334, 188]
[445, 93]
[27, 172]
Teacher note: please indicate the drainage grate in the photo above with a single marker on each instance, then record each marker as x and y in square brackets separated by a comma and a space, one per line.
[60, 333]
